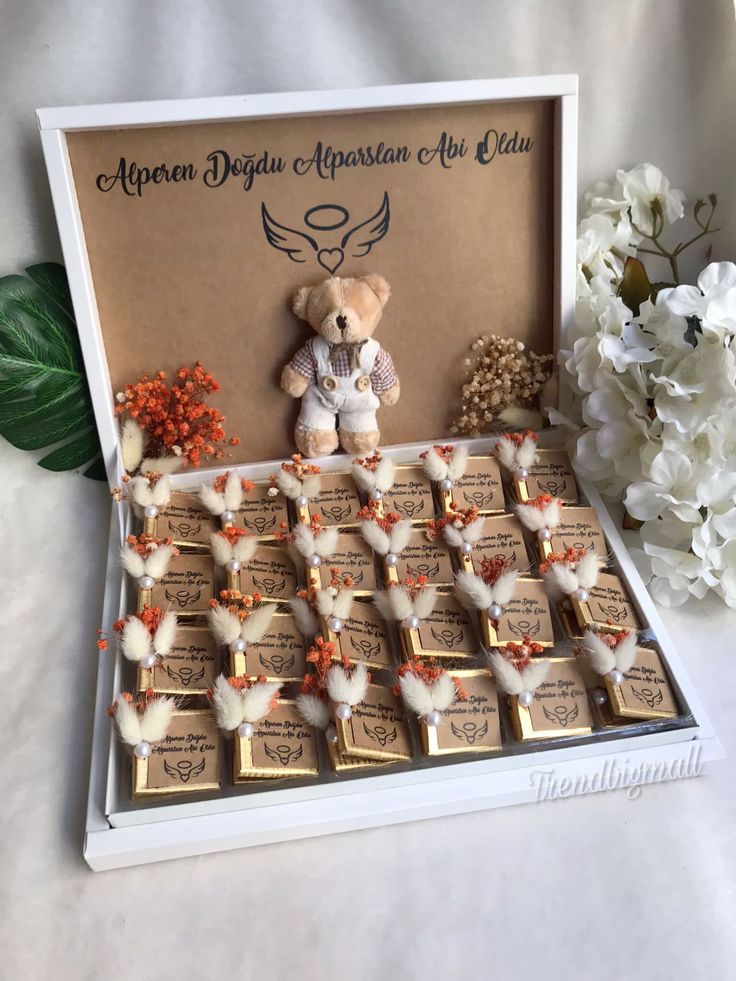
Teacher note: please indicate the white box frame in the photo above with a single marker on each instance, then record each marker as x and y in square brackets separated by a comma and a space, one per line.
[117, 838]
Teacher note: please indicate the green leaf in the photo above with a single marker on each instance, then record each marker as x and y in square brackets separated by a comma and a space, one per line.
[635, 286]
[96, 470]
[44, 396]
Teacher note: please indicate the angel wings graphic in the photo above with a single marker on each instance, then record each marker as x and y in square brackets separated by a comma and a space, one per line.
[184, 769]
[334, 244]
[283, 753]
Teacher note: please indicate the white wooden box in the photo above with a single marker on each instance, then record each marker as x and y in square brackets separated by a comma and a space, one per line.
[119, 833]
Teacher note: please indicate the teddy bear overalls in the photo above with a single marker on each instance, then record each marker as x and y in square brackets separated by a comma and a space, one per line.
[351, 397]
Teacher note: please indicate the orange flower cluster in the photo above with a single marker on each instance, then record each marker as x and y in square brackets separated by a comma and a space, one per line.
[145, 544]
[569, 557]
[101, 641]
[220, 480]
[459, 517]
[539, 502]
[232, 534]
[150, 617]
[612, 640]
[140, 706]
[413, 585]
[176, 419]
[240, 604]
[338, 581]
[369, 462]
[519, 656]
[518, 438]
[323, 654]
[299, 468]
[428, 672]
[385, 521]
[492, 568]
[444, 452]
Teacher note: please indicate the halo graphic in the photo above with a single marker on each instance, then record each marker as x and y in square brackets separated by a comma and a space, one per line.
[328, 217]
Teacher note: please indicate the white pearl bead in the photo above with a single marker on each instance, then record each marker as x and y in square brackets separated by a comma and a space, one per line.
[146, 582]
[238, 645]
[446, 485]
[335, 624]
[433, 718]
[314, 561]
[525, 698]
[227, 516]
[616, 676]
[580, 594]
[151, 511]
[142, 750]
[411, 622]
[522, 473]
[331, 734]
[391, 559]
[301, 501]
[495, 612]
[544, 534]
[599, 696]
[343, 711]
[245, 730]
[376, 494]
[148, 661]
[466, 548]
[233, 566]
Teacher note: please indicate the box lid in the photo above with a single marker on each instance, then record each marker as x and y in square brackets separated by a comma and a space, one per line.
[186, 227]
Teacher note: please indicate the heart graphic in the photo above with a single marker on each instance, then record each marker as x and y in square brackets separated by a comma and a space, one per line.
[330, 259]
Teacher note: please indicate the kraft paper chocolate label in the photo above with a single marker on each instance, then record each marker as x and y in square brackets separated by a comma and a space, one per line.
[187, 759]
[190, 668]
[282, 745]
[579, 528]
[421, 557]
[527, 614]
[338, 502]
[503, 537]
[472, 726]
[552, 474]
[364, 636]
[608, 603]
[279, 656]
[411, 494]
[448, 630]
[262, 514]
[187, 587]
[270, 572]
[480, 485]
[560, 704]
[377, 728]
[354, 556]
[186, 520]
[645, 692]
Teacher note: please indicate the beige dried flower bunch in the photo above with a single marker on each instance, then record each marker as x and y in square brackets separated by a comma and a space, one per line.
[500, 374]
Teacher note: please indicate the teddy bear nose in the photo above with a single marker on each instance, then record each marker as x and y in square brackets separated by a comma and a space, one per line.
[341, 322]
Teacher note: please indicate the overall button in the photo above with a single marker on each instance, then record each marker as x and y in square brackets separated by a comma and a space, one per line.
[363, 383]
[329, 383]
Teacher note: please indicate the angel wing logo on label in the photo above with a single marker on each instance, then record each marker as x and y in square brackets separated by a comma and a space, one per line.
[184, 770]
[553, 487]
[566, 545]
[615, 613]
[509, 557]
[650, 696]
[185, 529]
[380, 734]
[329, 239]
[408, 507]
[278, 663]
[182, 597]
[185, 675]
[283, 753]
[336, 512]
[478, 498]
[447, 637]
[525, 627]
[365, 648]
[424, 569]
[357, 577]
[470, 732]
[260, 524]
[562, 715]
[269, 585]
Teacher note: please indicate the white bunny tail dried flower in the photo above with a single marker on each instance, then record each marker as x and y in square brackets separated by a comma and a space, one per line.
[289, 484]
[384, 474]
[609, 652]
[424, 602]
[588, 569]
[227, 704]
[224, 625]
[338, 605]
[133, 563]
[161, 464]
[311, 486]
[131, 445]
[347, 686]
[472, 592]
[470, 533]
[257, 701]
[164, 636]
[245, 547]
[435, 465]
[157, 562]
[156, 719]
[304, 540]
[306, 621]
[212, 500]
[255, 626]
[375, 536]
[519, 418]
[536, 516]
[423, 698]
[327, 542]
[561, 579]
[399, 536]
[135, 640]
[394, 603]
[233, 493]
[511, 680]
[314, 710]
[127, 721]
[458, 462]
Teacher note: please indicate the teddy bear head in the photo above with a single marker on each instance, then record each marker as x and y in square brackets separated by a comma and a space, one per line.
[343, 310]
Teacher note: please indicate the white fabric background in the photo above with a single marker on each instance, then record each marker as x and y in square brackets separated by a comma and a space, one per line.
[604, 886]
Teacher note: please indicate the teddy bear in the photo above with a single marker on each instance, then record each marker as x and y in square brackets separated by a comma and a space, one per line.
[342, 375]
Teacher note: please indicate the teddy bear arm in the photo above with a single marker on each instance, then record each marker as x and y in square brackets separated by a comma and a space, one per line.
[293, 382]
[391, 395]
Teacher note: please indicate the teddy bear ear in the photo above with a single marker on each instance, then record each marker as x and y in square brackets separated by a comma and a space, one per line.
[300, 301]
[379, 286]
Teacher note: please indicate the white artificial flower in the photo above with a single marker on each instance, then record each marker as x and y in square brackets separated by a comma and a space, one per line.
[713, 300]
[676, 573]
[600, 245]
[726, 587]
[644, 186]
[672, 486]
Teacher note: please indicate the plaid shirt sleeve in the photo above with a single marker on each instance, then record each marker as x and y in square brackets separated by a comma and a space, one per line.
[305, 363]
[383, 375]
